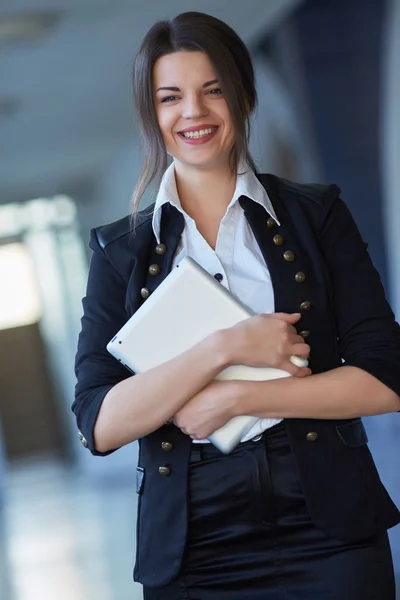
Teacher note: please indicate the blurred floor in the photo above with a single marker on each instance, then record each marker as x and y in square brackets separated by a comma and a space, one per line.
[69, 538]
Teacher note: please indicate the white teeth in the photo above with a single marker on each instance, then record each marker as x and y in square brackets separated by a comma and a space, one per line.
[198, 134]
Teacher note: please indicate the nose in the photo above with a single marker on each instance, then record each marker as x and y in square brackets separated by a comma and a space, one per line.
[194, 106]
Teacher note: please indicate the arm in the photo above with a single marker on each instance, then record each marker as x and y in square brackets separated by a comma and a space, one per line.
[112, 407]
[141, 404]
[369, 339]
[342, 393]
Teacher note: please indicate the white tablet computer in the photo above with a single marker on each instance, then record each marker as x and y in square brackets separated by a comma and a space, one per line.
[186, 307]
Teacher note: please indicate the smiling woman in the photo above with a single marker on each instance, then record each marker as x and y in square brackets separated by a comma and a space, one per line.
[195, 83]
[297, 509]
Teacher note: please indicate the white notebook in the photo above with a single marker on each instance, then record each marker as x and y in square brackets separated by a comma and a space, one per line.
[186, 307]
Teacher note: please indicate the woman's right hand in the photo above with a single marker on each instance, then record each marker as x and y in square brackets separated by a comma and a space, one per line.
[267, 340]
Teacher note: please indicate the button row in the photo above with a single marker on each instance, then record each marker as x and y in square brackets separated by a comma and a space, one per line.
[165, 470]
[289, 256]
[278, 240]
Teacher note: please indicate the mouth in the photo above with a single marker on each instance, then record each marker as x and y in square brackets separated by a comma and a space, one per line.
[202, 134]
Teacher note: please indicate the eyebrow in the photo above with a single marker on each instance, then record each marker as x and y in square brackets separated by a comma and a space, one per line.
[176, 89]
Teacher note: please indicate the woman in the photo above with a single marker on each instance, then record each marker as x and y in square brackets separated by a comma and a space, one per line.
[298, 509]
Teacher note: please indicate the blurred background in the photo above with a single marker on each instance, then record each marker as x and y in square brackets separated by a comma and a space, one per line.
[328, 77]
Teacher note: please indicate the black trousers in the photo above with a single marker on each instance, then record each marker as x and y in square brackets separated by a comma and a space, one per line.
[251, 538]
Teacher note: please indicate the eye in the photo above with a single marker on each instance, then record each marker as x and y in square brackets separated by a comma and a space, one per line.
[168, 99]
[215, 92]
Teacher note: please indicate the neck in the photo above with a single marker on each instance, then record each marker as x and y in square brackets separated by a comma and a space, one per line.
[205, 192]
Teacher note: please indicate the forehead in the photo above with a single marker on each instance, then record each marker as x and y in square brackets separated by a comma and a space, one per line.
[183, 67]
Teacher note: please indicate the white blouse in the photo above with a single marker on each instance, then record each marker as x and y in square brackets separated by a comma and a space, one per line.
[237, 260]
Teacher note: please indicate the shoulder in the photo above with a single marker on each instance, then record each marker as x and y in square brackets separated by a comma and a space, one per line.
[317, 193]
[123, 230]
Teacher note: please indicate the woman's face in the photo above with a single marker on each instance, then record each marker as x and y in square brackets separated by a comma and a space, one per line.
[191, 110]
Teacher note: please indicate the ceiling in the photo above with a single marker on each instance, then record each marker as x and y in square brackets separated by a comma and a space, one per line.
[72, 88]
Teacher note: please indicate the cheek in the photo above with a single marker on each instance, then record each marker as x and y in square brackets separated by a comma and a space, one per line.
[165, 123]
[161, 122]
[226, 117]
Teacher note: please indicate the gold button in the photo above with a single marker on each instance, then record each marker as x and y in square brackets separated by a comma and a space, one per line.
[161, 249]
[154, 269]
[312, 436]
[304, 334]
[168, 423]
[83, 440]
[164, 471]
[289, 256]
[305, 305]
[300, 277]
[167, 446]
[271, 223]
[145, 293]
[278, 240]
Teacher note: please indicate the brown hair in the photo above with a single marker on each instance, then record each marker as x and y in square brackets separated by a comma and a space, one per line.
[229, 56]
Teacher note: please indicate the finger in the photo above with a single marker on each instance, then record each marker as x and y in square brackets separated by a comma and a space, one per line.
[288, 318]
[296, 371]
[300, 349]
[297, 339]
[291, 330]
[289, 367]
[303, 372]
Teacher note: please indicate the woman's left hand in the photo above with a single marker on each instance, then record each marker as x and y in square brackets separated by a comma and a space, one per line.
[207, 411]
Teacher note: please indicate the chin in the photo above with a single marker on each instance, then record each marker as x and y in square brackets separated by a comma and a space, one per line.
[202, 162]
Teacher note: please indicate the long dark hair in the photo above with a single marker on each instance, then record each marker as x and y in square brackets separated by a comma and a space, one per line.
[231, 60]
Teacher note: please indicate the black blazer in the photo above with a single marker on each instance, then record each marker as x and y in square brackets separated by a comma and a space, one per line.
[332, 281]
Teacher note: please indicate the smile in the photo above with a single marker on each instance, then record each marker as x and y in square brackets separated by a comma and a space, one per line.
[195, 135]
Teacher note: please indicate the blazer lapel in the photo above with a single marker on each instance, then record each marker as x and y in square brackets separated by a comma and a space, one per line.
[289, 267]
[161, 255]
